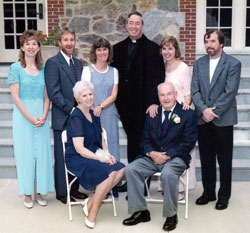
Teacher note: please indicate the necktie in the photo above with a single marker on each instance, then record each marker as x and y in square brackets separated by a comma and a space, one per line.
[165, 122]
[73, 68]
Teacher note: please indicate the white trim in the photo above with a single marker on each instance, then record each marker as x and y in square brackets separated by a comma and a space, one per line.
[238, 27]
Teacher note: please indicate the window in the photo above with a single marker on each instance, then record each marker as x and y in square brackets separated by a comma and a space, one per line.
[230, 16]
[219, 16]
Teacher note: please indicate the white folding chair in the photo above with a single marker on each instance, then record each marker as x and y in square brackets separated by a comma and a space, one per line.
[150, 199]
[68, 185]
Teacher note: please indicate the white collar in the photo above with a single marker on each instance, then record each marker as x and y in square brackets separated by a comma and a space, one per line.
[67, 58]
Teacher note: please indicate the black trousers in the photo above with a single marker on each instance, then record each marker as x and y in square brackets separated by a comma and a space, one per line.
[216, 142]
[60, 180]
[134, 135]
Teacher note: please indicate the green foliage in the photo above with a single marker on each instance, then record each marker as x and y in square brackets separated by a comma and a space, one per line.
[51, 39]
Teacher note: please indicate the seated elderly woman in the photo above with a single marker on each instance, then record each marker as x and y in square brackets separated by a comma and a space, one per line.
[86, 152]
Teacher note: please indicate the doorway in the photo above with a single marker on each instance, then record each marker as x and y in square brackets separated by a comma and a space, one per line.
[18, 15]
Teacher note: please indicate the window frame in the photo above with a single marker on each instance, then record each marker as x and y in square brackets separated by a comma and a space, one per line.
[238, 27]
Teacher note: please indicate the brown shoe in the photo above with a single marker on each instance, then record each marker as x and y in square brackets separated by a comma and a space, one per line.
[78, 195]
[63, 199]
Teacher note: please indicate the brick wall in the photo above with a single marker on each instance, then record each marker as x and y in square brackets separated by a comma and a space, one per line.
[55, 10]
[188, 32]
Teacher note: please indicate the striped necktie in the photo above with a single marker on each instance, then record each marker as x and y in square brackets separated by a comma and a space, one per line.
[73, 68]
[165, 122]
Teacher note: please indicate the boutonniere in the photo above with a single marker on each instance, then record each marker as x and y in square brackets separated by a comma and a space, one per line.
[175, 118]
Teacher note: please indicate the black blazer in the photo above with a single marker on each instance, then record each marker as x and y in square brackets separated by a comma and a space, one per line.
[180, 138]
[138, 84]
[60, 81]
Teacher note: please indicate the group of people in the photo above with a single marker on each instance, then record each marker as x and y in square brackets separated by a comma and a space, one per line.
[152, 92]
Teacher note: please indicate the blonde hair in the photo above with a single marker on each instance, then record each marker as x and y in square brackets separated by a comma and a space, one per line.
[171, 40]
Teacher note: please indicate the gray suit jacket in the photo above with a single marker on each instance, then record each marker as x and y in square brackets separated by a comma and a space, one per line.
[220, 93]
[59, 83]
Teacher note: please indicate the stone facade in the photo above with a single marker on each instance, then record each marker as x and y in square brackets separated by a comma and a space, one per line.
[107, 18]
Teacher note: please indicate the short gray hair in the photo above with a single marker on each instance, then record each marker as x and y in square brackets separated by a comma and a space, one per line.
[81, 86]
[170, 83]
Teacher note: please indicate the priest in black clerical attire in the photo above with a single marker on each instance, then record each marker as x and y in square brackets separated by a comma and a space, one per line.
[141, 69]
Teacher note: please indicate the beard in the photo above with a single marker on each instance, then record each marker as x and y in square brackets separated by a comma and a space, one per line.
[213, 52]
[66, 51]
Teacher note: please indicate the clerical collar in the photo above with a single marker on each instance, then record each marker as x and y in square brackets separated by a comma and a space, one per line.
[135, 41]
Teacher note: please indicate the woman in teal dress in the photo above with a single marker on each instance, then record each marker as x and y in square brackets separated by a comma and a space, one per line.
[31, 133]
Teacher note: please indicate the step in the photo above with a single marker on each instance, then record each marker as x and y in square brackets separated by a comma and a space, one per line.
[243, 115]
[241, 169]
[242, 131]
[7, 168]
[243, 112]
[6, 111]
[5, 96]
[245, 82]
[3, 82]
[243, 96]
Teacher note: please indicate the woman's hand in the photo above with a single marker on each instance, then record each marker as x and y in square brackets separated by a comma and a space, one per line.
[152, 110]
[111, 160]
[38, 121]
[41, 121]
[185, 106]
[97, 111]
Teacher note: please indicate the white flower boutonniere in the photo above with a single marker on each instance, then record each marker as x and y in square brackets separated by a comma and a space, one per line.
[175, 118]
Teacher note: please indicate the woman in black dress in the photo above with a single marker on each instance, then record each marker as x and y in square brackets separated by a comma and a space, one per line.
[87, 154]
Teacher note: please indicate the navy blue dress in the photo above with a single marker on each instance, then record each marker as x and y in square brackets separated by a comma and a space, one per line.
[90, 172]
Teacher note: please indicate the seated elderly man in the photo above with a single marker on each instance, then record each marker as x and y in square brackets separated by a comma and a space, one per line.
[167, 141]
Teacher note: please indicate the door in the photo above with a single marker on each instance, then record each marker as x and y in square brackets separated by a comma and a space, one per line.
[15, 17]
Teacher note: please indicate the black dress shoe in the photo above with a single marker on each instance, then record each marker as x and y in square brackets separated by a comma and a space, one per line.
[202, 200]
[78, 195]
[221, 205]
[137, 217]
[122, 188]
[63, 199]
[170, 223]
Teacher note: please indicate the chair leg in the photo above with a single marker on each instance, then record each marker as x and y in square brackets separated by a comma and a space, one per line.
[113, 202]
[146, 185]
[186, 195]
[69, 202]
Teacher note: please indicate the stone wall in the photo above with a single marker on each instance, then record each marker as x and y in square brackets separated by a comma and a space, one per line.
[107, 18]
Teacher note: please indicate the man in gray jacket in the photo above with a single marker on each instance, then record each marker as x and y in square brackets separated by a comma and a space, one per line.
[215, 83]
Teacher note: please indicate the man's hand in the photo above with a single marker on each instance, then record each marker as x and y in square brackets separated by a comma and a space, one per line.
[158, 157]
[208, 114]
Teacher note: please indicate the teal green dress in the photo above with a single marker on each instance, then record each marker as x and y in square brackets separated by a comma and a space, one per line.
[32, 147]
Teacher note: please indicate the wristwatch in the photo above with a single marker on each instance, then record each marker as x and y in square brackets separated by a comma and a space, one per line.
[100, 106]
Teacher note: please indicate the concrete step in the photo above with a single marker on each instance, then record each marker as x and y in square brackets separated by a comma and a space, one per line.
[243, 97]
[3, 82]
[5, 96]
[241, 169]
[241, 148]
[241, 131]
[243, 112]
[244, 82]
[7, 109]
